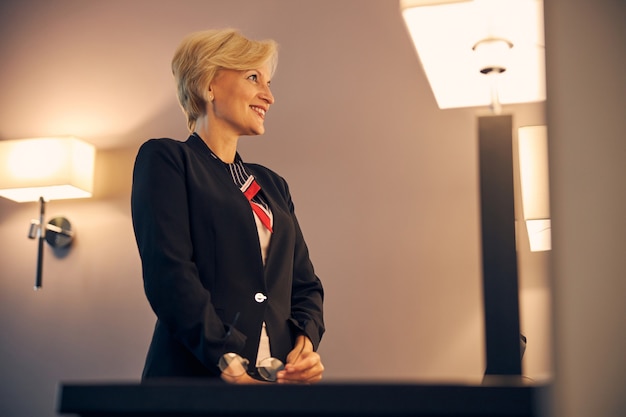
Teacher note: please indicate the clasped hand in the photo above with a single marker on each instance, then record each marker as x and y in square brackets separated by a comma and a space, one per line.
[304, 366]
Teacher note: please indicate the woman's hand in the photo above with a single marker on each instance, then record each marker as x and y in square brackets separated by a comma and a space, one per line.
[303, 364]
[236, 374]
[242, 377]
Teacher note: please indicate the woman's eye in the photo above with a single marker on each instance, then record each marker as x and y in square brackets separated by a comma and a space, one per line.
[253, 77]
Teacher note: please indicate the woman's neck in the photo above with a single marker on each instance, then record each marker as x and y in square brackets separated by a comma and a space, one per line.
[223, 146]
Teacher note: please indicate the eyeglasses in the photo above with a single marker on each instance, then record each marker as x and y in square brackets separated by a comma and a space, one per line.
[233, 365]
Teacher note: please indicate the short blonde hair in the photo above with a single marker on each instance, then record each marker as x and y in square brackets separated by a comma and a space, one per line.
[202, 54]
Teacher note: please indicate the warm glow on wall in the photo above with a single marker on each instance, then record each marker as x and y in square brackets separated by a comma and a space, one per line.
[52, 168]
[456, 40]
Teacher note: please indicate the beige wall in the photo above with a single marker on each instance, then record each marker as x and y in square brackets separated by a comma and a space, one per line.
[385, 187]
[587, 129]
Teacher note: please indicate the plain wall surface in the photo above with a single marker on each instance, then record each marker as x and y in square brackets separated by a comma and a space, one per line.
[587, 130]
[384, 183]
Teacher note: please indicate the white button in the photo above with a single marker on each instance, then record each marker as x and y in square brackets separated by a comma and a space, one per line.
[260, 297]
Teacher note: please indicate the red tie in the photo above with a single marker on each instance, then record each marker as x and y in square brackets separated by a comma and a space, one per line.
[250, 189]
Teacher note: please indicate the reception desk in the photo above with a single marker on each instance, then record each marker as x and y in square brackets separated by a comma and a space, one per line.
[182, 398]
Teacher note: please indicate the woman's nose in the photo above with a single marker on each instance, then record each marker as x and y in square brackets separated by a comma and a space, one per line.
[267, 95]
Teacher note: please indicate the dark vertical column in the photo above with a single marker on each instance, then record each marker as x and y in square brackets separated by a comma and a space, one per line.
[500, 287]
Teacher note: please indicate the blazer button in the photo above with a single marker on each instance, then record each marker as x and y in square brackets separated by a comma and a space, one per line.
[260, 297]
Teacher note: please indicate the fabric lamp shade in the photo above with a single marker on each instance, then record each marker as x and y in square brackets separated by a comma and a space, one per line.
[534, 179]
[457, 40]
[53, 168]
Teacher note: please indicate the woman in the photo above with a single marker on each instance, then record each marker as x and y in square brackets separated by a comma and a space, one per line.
[225, 265]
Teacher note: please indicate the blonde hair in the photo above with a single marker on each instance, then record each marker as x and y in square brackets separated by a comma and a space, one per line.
[202, 54]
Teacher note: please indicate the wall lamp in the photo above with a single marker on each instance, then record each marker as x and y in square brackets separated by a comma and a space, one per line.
[44, 169]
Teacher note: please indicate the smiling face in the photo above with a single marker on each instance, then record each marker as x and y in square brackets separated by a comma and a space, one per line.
[240, 102]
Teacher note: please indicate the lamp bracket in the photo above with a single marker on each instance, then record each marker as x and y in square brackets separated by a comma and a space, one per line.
[59, 232]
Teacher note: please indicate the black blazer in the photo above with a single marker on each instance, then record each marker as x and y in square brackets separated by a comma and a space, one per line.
[202, 265]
